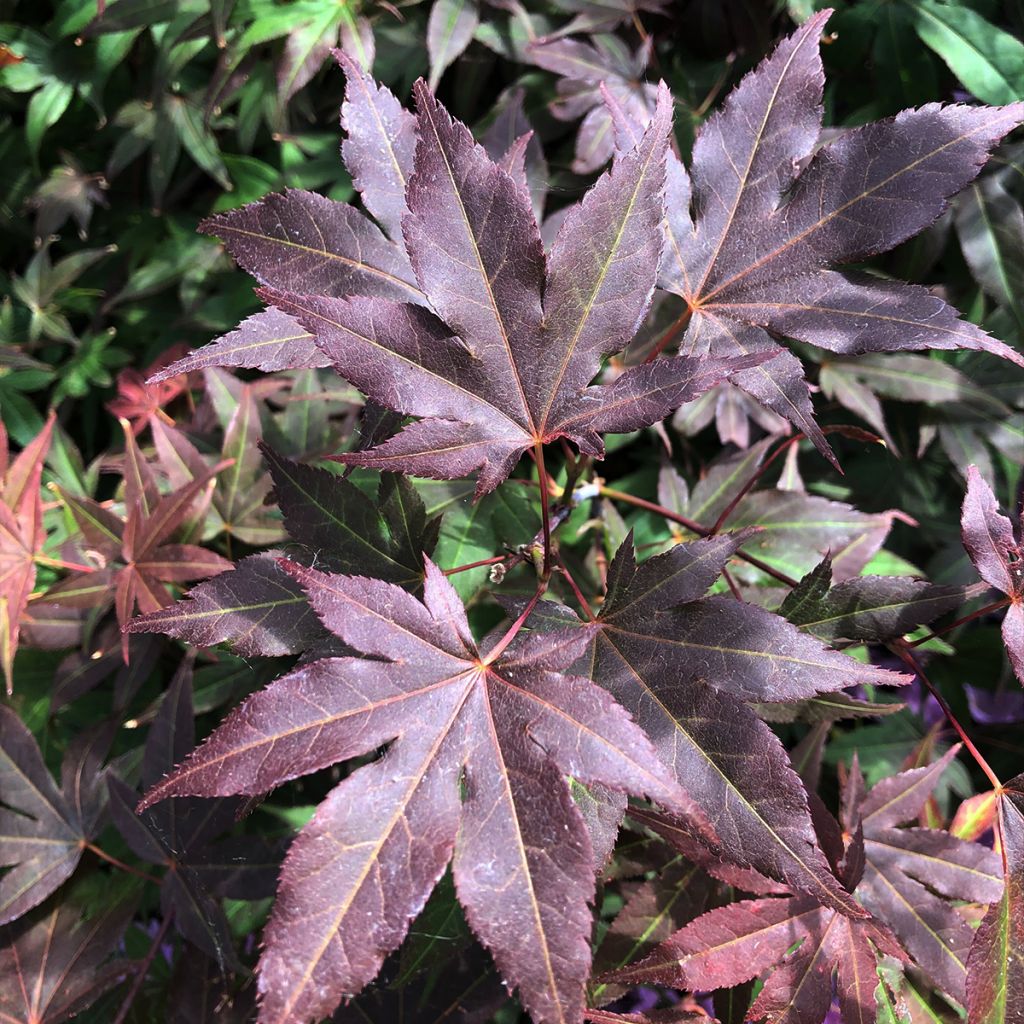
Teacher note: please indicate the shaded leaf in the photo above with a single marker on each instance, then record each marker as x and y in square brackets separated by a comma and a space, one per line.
[452, 713]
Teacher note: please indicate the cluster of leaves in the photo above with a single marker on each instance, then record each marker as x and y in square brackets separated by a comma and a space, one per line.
[526, 697]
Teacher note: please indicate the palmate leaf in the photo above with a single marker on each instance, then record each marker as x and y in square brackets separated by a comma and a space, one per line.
[43, 830]
[456, 719]
[993, 548]
[995, 969]
[735, 943]
[141, 560]
[685, 666]
[56, 962]
[906, 867]
[773, 213]
[517, 337]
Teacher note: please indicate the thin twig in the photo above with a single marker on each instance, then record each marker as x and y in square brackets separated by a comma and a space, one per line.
[935, 634]
[903, 651]
[476, 565]
[103, 855]
[143, 968]
[494, 653]
[583, 602]
[693, 527]
[545, 510]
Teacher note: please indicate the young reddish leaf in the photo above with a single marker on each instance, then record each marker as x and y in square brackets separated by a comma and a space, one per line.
[774, 212]
[256, 607]
[500, 374]
[57, 962]
[22, 534]
[990, 542]
[43, 829]
[303, 242]
[995, 968]
[379, 147]
[454, 717]
[908, 871]
[269, 341]
[141, 562]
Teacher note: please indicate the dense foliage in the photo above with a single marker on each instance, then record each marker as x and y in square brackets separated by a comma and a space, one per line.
[591, 558]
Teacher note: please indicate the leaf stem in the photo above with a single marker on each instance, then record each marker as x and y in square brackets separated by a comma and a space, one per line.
[583, 602]
[754, 477]
[732, 585]
[143, 968]
[59, 563]
[935, 634]
[475, 565]
[903, 651]
[103, 855]
[545, 509]
[696, 528]
[513, 630]
[675, 330]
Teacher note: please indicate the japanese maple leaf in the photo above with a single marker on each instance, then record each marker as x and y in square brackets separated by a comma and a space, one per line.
[479, 743]
[22, 534]
[584, 68]
[995, 968]
[773, 210]
[807, 949]
[910, 874]
[182, 835]
[139, 561]
[997, 555]
[43, 829]
[57, 961]
[686, 665]
[141, 396]
[500, 361]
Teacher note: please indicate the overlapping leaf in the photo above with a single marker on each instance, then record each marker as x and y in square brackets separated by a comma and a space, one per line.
[43, 829]
[585, 68]
[995, 969]
[686, 674]
[866, 608]
[503, 727]
[517, 337]
[57, 961]
[774, 211]
[180, 834]
[906, 867]
[260, 609]
[996, 553]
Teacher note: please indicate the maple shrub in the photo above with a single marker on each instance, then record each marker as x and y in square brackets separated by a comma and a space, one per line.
[536, 750]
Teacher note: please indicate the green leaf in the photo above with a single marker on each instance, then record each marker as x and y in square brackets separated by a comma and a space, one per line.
[989, 61]
[200, 143]
[44, 111]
